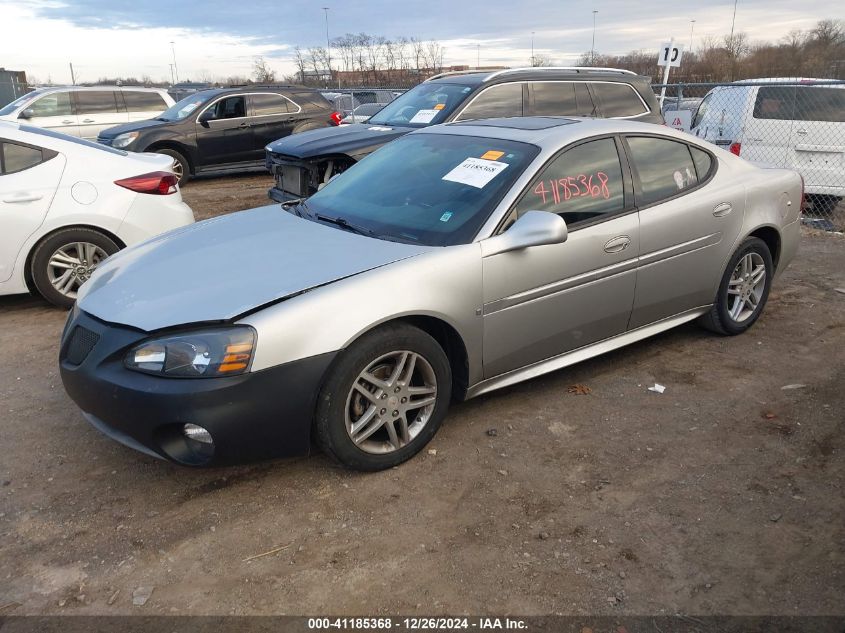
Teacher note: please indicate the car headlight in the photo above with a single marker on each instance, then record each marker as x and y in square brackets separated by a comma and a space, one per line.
[207, 353]
[122, 140]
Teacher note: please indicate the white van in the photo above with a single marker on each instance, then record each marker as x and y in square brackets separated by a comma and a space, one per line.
[793, 123]
[86, 111]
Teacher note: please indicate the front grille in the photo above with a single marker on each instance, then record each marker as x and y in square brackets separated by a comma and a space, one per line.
[82, 341]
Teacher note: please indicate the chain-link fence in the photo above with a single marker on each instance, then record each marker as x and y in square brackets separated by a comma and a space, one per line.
[796, 124]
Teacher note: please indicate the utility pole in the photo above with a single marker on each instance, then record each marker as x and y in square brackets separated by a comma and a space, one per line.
[172, 77]
[733, 47]
[532, 49]
[72, 76]
[593, 46]
[691, 29]
[477, 56]
[175, 67]
[328, 44]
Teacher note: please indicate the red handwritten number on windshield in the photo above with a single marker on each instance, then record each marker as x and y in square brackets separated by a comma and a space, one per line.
[582, 185]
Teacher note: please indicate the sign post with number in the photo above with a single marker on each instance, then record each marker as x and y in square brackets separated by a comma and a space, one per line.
[670, 55]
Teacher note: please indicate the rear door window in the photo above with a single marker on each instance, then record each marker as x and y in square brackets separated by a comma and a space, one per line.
[618, 99]
[96, 102]
[54, 104]
[137, 101]
[270, 104]
[552, 98]
[820, 104]
[504, 100]
[775, 102]
[665, 167]
[580, 185]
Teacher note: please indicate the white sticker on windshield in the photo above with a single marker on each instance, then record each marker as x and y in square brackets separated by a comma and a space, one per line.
[475, 172]
[379, 128]
[188, 108]
[425, 116]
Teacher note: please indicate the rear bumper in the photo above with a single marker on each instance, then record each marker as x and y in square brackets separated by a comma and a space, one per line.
[151, 215]
[259, 415]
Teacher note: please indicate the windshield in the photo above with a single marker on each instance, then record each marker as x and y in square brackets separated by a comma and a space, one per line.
[181, 109]
[427, 104]
[432, 189]
[11, 107]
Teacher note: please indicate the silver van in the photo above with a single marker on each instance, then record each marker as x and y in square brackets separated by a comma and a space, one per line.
[86, 111]
[792, 123]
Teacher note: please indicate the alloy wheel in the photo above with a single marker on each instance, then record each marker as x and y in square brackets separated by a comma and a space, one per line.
[746, 287]
[390, 402]
[71, 265]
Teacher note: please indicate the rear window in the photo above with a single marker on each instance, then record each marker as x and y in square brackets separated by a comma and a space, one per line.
[820, 104]
[618, 99]
[137, 101]
[665, 167]
[14, 157]
[703, 162]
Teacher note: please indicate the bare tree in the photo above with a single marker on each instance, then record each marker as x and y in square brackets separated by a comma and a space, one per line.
[261, 72]
[541, 59]
[299, 60]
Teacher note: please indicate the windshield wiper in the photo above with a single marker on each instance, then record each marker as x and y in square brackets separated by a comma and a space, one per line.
[343, 223]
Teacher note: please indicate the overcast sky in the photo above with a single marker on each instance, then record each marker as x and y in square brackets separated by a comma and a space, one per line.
[221, 37]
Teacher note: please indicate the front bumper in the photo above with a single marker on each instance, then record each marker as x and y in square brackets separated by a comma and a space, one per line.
[258, 415]
[294, 178]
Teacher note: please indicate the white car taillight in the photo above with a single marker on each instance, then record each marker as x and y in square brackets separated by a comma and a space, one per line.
[160, 183]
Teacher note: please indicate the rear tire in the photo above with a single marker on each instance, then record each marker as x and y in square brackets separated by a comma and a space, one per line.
[743, 291]
[62, 262]
[385, 397]
[181, 167]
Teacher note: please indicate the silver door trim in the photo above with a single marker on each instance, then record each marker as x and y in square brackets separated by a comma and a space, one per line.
[680, 249]
[583, 353]
[559, 286]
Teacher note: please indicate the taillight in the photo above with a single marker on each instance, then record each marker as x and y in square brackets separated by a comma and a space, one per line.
[160, 183]
[735, 148]
[335, 118]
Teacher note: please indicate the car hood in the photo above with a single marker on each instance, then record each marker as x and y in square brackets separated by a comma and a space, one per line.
[359, 138]
[135, 126]
[224, 267]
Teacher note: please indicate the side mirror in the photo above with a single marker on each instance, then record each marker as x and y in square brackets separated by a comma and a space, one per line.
[29, 113]
[533, 228]
[205, 117]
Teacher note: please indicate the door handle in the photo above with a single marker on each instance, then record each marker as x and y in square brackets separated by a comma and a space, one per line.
[617, 244]
[67, 122]
[244, 125]
[722, 209]
[23, 197]
[88, 121]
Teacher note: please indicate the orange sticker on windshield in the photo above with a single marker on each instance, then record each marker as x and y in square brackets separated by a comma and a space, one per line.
[439, 106]
[492, 155]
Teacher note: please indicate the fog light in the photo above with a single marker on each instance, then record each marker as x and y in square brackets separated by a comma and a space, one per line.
[197, 433]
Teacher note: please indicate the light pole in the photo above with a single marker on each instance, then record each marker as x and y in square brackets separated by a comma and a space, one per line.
[175, 67]
[328, 44]
[532, 49]
[593, 46]
[691, 29]
[477, 56]
[172, 77]
[733, 47]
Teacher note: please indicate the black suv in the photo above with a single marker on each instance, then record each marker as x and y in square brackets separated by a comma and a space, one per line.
[300, 165]
[224, 129]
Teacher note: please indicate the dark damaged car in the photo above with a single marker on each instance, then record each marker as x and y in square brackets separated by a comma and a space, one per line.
[302, 164]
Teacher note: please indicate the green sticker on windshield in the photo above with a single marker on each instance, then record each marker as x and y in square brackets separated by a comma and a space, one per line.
[446, 216]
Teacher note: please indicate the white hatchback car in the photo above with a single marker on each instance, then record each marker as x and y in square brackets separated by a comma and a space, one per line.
[66, 204]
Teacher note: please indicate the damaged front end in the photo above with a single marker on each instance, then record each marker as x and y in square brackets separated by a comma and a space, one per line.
[296, 178]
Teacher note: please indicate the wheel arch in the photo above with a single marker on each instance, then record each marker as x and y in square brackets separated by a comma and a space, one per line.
[771, 236]
[27, 269]
[176, 147]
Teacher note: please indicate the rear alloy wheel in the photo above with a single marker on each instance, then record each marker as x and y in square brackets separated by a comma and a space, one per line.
[385, 398]
[744, 289]
[66, 260]
[180, 164]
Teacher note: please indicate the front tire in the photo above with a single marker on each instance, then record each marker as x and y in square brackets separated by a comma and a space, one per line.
[62, 262]
[384, 399]
[743, 291]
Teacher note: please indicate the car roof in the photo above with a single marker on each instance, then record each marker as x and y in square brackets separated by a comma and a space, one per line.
[551, 131]
[46, 89]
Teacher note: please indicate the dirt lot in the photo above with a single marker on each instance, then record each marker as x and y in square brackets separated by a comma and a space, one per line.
[723, 495]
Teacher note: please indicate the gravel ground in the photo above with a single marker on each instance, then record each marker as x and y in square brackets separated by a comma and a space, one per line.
[723, 495]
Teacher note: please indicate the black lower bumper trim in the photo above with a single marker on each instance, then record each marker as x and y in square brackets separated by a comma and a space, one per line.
[259, 415]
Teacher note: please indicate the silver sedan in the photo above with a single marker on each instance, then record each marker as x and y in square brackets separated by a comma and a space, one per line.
[456, 260]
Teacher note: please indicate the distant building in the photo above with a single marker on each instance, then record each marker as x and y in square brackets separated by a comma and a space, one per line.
[12, 85]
